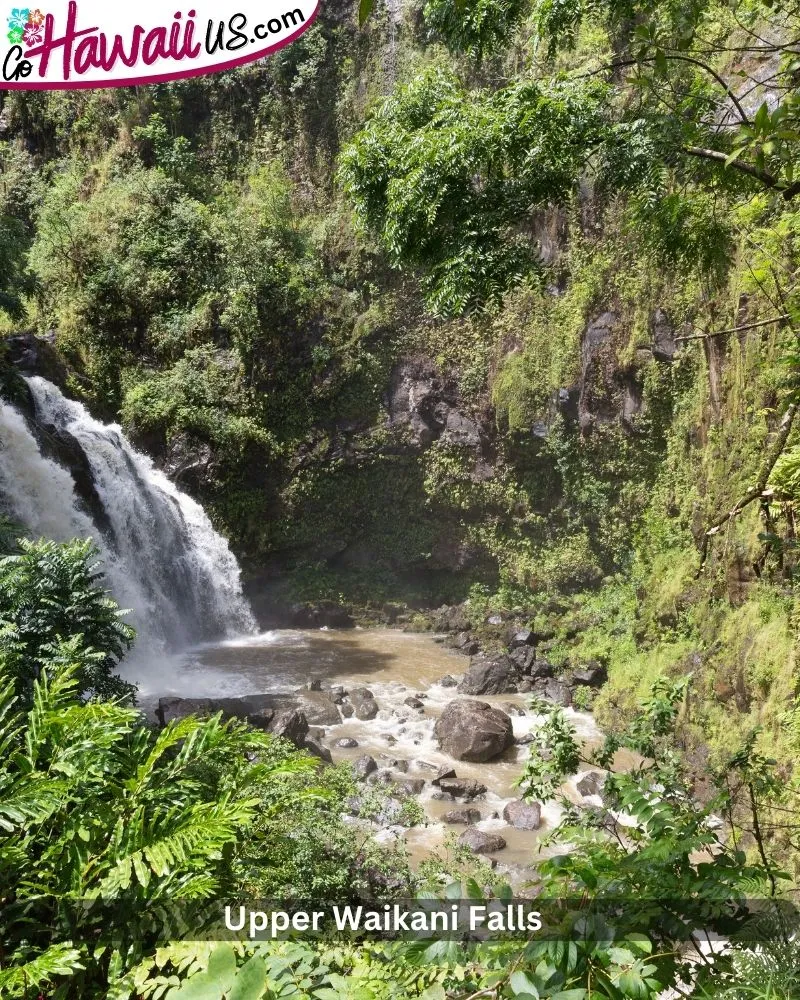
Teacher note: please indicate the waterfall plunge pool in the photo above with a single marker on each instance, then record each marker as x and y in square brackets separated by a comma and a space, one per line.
[394, 666]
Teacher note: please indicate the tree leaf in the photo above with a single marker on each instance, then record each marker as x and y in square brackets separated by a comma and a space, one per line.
[365, 8]
[251, 982]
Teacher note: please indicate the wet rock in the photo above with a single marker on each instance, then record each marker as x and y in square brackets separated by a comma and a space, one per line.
[364, 767]
[525, 740]
[523, 815]
[522, 638]
[34, 355]
[480, 842]
[513, 709]
[443, 772]
[410, 786]
[346, 743]
[318, 708]
[484, 676]
[258, 709]
[465, 643]
[523, 658]
[473, 731]
[466, 817]
[317, 733]
[347, 711]
[315, 685]
[317, 750]
[590, 783]
[593, 675]
[558, 691]
[462, 788]
[290, 725]
[414, 703]
[525, 686]
[427, 765]
[337, 691]
[448, 681]
[59, 444]
[364, 704]
[396, 763]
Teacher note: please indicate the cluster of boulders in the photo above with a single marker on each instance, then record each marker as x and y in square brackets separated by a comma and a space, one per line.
[519, 671]
[467, 730]
[521, 668]
[280, 713]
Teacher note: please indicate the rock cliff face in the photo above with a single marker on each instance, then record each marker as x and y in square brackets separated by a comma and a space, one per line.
[394, 522]
[429, 406]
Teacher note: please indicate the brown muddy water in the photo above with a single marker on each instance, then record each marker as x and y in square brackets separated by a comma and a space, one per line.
[393, 665]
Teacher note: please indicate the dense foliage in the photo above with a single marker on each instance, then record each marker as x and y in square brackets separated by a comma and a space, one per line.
[53, 609]
[495, 300]
[449, 178]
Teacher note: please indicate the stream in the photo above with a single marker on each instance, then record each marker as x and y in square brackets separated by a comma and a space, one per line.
[394, 665]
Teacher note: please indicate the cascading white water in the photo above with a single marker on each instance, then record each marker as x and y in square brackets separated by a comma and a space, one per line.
[162, 557]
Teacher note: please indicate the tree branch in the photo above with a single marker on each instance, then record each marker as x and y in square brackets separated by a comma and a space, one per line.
[733, 329]
[767, 179]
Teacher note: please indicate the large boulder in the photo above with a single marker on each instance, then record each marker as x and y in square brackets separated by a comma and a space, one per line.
[317, 750]
[523, 815]
[318, 707]
[522, 638]
[364, 704]
[291, 725]
[480, 842]
[258, 710]
[485, 676]
[410, 786]
[473, 731]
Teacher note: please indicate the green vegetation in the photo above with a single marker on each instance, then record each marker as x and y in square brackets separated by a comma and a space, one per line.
[53, 611]
[103, 819]
[498, 301]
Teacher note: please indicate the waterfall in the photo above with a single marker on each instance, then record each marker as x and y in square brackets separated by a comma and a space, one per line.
[162, 558]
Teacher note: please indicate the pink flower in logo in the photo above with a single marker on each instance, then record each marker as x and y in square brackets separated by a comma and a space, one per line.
[33, 34]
